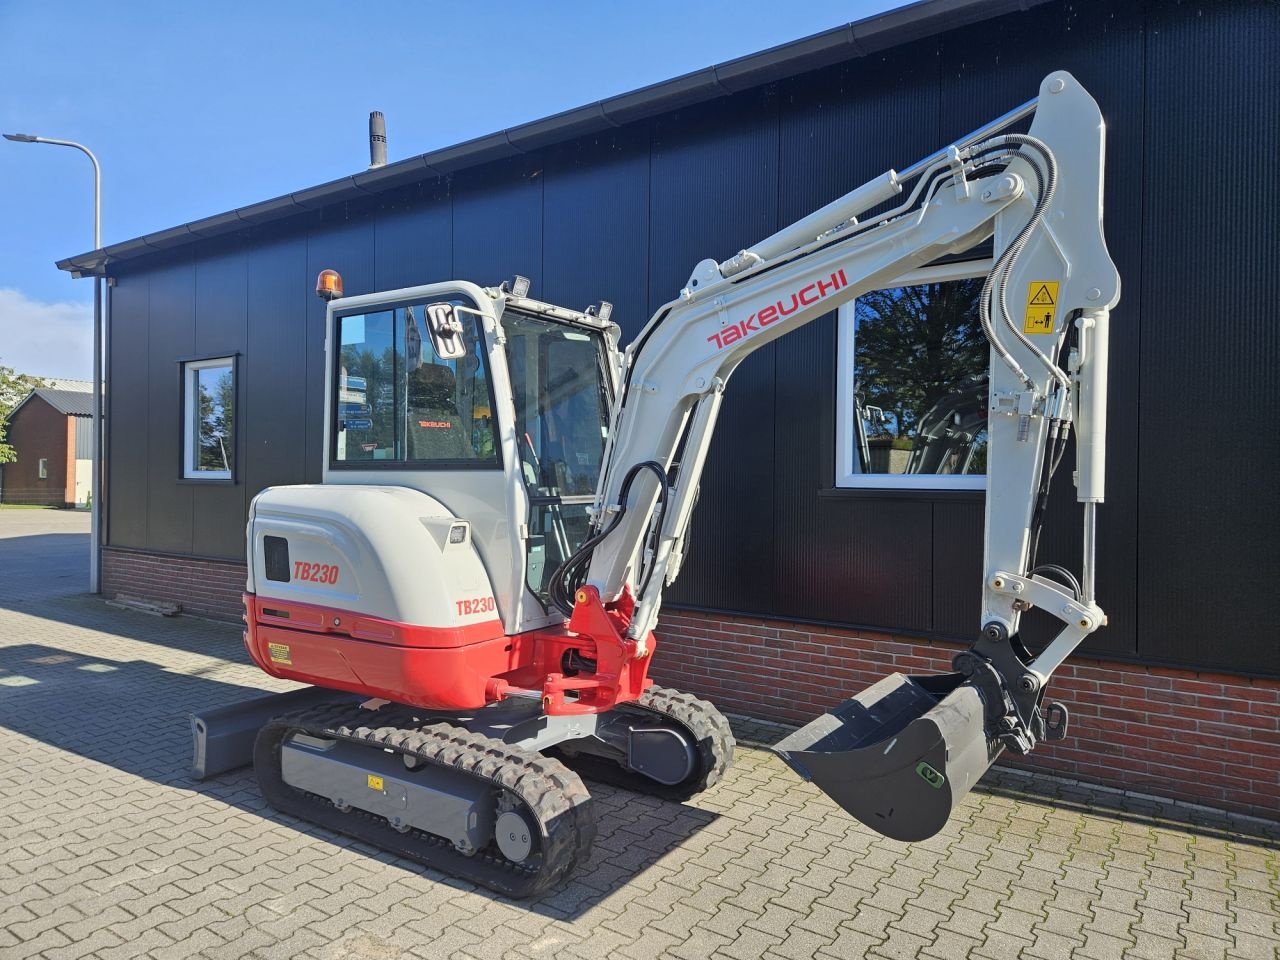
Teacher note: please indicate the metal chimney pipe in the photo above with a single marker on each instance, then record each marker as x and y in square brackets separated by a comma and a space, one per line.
[377, 140]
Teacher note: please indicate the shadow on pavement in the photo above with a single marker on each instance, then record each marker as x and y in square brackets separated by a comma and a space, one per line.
[134, 716]
[42, 565]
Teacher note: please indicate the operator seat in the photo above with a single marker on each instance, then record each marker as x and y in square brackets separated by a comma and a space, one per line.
[436, 431]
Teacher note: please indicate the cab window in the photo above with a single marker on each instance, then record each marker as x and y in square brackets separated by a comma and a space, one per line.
[397, 401]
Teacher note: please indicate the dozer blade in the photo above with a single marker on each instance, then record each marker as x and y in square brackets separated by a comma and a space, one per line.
[900, 755]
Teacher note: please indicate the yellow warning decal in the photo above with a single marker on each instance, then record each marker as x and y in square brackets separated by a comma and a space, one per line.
[1042, 306]
[279, 653]
[375, 783]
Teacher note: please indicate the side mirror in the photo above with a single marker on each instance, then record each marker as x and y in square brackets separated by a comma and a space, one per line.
[445, 330]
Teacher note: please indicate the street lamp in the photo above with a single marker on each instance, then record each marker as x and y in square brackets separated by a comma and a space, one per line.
[95, 490]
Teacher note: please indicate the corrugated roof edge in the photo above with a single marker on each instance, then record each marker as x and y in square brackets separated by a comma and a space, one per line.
[69, 403]
[892, 28]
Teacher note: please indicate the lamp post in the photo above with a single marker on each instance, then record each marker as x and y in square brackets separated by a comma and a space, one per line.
[95, 488]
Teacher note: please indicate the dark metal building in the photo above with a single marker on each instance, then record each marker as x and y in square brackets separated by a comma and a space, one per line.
[620, 198]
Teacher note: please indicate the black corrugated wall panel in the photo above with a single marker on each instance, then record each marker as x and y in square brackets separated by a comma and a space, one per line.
[497, 223]
[847, 558]
[595, 225]
[221, 318]
[275, 366]
[715, 188]
[1209, 518]
[171, 336]
[413, 244]
[128, 375]
[957, 566]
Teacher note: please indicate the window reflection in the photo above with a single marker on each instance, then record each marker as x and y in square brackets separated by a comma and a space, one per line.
[920, 380]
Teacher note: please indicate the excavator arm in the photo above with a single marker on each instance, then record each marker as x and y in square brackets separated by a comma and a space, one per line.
[1044, 309]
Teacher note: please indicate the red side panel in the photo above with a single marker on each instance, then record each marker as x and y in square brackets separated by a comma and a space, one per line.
[460, 668]
[361, 626]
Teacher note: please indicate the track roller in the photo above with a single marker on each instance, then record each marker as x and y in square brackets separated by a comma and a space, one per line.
[471, 806]
[696, 723]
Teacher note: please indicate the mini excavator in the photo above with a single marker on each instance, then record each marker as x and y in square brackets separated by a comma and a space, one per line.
[506, 494]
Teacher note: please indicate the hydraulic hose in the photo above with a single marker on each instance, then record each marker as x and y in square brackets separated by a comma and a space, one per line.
[998, 279]
[568, 577]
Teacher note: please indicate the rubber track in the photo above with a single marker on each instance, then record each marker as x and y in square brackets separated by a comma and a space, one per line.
[553, 795]
[704, 724]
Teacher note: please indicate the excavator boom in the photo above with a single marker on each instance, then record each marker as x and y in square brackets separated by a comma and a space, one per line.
[1050, 290]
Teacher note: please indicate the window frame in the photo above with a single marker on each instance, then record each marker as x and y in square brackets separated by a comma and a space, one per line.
[186, 367]
[404, 464]
[846, 349]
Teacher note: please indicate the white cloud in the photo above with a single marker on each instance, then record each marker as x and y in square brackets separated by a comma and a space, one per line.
[45, 339]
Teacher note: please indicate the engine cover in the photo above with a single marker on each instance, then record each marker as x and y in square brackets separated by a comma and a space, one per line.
[389, 552]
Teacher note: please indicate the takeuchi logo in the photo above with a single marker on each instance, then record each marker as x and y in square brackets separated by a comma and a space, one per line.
[804, 297]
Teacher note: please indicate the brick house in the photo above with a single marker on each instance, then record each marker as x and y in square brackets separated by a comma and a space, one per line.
[51, 430]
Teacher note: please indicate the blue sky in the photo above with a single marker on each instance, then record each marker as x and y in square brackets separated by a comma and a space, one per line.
[196, 108]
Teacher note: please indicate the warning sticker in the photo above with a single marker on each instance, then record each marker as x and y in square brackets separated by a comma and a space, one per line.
[1042, 306]
[279, 652]
[375, 783]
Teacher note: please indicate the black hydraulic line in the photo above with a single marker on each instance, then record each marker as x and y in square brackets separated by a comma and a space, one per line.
[1066, 576]
[567, 577]
[1046, 480]
[1052, 460]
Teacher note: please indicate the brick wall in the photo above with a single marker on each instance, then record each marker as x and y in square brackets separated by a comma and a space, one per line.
[206, 588]
[38, 431]
[1202, 737]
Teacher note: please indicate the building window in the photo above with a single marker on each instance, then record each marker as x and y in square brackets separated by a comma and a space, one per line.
[913, 372]
[43, 469]
[208, 442]
[397, 400]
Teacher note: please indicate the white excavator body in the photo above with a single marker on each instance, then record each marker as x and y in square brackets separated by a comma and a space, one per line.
[506, 495]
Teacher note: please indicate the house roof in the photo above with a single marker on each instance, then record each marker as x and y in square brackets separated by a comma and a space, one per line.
[860, 38]
[66, 383]
[72, 403]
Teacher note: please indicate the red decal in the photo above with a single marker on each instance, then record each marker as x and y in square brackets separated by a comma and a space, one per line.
[468, 608]
[326, 573]
[805, 296]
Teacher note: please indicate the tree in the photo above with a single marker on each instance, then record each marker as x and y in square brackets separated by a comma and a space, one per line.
[217, 419]
[917, 345]
[13, 387]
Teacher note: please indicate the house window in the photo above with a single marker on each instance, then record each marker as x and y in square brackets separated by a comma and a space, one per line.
[208, 441]
[43, 469]
[913, 372]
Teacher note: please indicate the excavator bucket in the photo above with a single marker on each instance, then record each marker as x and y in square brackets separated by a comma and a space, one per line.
[900, 755]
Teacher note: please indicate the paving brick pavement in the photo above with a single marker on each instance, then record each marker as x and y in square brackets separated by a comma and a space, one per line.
[108, 849]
